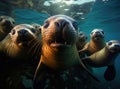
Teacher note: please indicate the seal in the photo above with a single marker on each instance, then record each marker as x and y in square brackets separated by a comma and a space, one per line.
[105, 57]
[59, 52]
[82, 40]
[16, 56]
[6, 24]
[96, 43]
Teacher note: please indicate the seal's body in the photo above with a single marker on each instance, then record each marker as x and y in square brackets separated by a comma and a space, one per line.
[6, 24]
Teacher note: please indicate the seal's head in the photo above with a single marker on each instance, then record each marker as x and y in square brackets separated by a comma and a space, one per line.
[59, 37]
[6, 24]
[22, 34]
[59, 32]
[113, 46]
[97, 34]
[82, 40]
[19, 41]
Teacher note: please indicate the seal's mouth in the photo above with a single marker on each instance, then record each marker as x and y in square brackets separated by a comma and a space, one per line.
[97, 37]
[60, 43]
[22, 42]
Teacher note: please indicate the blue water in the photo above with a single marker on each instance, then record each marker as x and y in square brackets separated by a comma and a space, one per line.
[104, 15]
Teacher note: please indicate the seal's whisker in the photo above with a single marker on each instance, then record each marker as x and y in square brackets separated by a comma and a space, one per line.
[33, 46]
[37, 52]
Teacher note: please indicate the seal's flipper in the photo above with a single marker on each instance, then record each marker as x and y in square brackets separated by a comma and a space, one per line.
[88, 61]
[88, 71]
[39, 77]
[110, 73]
[39, 70]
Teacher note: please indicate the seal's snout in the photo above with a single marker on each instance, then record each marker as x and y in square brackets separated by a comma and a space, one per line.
[7, 22]
[61, 23]
[22, 32]
[117, 46]
[97, 33]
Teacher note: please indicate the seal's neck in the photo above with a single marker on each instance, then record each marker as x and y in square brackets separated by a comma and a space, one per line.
[59, 58]
[98, 44]
[8, 47]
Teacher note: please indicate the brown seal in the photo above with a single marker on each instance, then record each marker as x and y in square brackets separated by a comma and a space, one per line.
[6, 24]
[96, 43]
[105, 57]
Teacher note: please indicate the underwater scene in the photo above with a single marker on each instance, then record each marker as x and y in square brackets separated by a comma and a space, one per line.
[22, 69]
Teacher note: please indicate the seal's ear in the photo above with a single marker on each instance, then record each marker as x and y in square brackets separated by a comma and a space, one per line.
[37, 27]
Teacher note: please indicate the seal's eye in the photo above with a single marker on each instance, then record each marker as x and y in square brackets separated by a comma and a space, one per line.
[13, 32]
[75, 24]
[13, 22]
[81, 34]
[102, 32]
[46, 24]
[1, 19]
[109, 43]
[91, 33]
[33, 30]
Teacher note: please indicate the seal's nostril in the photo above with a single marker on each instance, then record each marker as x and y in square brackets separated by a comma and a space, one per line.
[97, 33]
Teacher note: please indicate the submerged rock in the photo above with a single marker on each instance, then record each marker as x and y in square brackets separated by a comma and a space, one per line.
[73, 78]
